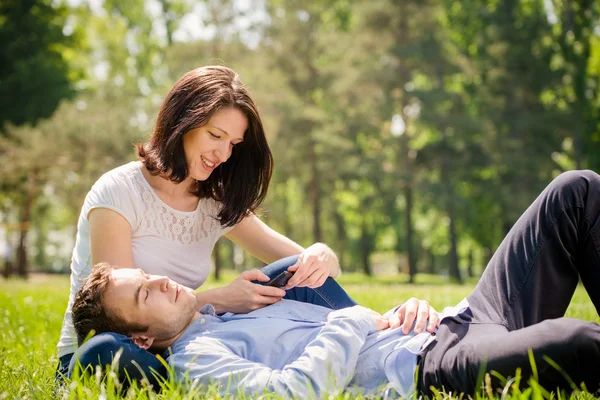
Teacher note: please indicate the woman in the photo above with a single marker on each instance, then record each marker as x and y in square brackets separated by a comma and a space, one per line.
[203, 172]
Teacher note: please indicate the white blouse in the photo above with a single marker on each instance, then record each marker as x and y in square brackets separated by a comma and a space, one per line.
[165, 241]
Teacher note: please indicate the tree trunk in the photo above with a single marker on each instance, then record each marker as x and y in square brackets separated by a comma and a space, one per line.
[229, 260]
[447, 167]
[168, 21]
[8, 258]
[217, 260]
[366, 247]
[470, 262]
[431, 264]
[288, 226]
[576, 22]
[488, 254]
[22, 262]
[7, 269]
[454, 269]
[340, 227]
[412, 266]
[403, 73]
[315, 191]
[506, 225]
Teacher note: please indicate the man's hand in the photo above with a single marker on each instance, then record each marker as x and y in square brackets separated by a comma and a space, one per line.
[411, 309]
[314, 265]
[242, 296]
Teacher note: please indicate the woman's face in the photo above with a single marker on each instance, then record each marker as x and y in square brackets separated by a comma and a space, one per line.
[210, 145]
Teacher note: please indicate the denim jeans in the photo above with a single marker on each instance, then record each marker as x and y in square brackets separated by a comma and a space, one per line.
[517, 309]
[137, 363]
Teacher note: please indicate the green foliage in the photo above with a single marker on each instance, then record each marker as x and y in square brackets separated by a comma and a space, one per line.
[496, 99]
[34, 59]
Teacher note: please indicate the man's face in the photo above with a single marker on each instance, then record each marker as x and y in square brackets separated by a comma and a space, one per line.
[156, 301]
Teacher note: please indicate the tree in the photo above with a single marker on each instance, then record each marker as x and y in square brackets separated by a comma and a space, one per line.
[63, 155]
[34, 60]
[36, 74]
[396, 37]
[573, 24]
[299, 42]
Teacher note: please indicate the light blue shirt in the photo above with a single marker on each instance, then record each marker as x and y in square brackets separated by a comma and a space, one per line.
[297, 349]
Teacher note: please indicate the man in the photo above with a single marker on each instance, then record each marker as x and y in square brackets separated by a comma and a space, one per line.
[289, 347]
[514, 315]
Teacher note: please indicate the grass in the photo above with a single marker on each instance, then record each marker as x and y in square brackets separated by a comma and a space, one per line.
[31, 314]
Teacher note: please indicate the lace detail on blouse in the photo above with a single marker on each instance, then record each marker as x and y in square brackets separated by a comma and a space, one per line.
[177, 226]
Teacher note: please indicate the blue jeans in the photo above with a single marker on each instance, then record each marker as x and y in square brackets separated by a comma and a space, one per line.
[137, 363]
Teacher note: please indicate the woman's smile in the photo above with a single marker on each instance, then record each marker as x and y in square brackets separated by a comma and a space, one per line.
[210, 145]
[208, 164]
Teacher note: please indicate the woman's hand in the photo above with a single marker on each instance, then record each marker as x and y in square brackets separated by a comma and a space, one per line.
[242, 296]
[314, 265]
[411, 309]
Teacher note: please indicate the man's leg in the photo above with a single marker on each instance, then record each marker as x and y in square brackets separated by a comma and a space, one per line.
[330, 295]
[137, 363]
[573, 345]
[531, 277]
[534, 272]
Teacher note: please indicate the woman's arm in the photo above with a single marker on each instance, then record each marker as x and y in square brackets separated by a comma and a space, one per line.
[110, 238]
[262, 241]
[241, 295]
[110, 241]
[315, 264]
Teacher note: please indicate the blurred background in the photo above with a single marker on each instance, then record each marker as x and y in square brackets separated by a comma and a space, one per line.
[407, 135]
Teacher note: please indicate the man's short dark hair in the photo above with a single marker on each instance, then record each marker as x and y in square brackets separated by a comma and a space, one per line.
[89, 313]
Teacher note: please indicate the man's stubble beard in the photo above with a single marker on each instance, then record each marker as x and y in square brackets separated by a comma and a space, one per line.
[169, 330]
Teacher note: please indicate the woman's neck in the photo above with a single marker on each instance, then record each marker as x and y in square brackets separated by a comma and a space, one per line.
[177, 195]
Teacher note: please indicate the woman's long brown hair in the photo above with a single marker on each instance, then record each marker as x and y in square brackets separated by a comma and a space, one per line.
[241, 183]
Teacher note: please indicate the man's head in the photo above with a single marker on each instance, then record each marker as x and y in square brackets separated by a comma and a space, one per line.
[148, 308]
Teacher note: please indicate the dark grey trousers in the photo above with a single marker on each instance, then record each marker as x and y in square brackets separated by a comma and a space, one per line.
[519, 303]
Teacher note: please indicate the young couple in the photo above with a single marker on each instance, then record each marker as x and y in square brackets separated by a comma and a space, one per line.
[202, 174]
[297, 349]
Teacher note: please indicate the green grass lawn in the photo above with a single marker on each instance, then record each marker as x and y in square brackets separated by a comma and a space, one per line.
[31, 314]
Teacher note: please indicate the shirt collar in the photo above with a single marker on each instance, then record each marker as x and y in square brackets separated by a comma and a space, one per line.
[208, 309]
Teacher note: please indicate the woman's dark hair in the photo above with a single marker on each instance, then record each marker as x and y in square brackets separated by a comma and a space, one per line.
[241, 183]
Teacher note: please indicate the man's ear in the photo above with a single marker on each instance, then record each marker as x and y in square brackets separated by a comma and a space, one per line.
[143, 341]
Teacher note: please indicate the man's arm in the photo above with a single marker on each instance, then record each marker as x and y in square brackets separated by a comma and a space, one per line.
[325, 366]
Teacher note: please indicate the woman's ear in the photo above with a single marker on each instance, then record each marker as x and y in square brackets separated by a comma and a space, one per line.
[143, 341]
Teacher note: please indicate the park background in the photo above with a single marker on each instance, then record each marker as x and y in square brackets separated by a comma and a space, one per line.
[407, 135]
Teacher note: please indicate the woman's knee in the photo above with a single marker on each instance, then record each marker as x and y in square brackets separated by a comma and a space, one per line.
[112, 348]
[100, 350]
[118, 351]
[279, 266]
